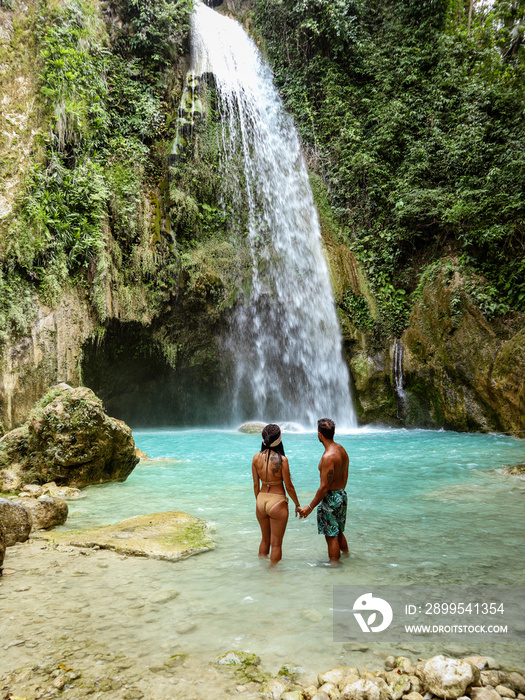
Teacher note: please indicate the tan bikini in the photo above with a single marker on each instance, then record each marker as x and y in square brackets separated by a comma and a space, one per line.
[266, 500]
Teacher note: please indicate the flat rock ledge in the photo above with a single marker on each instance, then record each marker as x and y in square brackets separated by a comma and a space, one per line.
[172, 536]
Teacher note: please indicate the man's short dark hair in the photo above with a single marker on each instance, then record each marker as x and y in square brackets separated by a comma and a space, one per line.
[326, 427]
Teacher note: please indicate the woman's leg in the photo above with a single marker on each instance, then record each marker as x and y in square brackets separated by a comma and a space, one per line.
[264, 522]
[278, 520]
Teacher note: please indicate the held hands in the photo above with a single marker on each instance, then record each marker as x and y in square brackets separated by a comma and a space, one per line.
[304, 512]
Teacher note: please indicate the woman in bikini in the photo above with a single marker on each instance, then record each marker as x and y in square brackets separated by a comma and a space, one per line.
[271, 474]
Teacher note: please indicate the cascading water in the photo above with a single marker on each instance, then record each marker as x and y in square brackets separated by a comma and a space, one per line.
[285, 338]
[397, 371]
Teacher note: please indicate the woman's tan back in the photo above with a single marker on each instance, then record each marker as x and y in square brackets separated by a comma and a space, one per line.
[270, 470]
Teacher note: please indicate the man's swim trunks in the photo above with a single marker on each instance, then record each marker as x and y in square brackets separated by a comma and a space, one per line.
[331, 513]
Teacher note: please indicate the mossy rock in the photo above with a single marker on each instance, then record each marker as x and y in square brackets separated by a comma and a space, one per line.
[237, 658]
[172, 535]
[68, 439]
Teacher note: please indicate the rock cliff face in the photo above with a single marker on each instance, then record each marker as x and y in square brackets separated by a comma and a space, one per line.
[461, 371]
[149, 364]
[455, 368]
[51, 354]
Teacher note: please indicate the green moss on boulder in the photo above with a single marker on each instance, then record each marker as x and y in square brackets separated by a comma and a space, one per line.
[171, 535]
[68, 439]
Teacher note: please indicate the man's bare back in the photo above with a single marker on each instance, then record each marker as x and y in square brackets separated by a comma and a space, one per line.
[335, 461]
[331, 495]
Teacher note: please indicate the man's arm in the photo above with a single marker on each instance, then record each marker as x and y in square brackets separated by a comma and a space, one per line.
[327, 476]
[256, 482]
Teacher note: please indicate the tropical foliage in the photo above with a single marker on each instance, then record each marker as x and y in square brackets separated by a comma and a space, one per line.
[414, 114]
[104, 93]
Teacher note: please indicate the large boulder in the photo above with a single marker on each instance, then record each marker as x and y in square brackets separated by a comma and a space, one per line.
[46, 511]
[16, 521]
[68, 439]
[448, 678]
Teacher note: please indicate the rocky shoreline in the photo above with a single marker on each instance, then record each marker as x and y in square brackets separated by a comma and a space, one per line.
[77, 672]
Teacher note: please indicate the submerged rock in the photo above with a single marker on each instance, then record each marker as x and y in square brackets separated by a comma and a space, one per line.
[251, 428]
[16, 520]
[237, 658]
[274, 688]
[515, 470]
[68, 439]
[46, 511]
[171, 535]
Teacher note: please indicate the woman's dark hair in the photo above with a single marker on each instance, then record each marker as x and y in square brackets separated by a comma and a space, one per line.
[271, 433]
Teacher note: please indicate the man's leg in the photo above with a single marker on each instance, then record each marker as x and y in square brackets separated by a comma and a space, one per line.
[334, 552]
[343, 544]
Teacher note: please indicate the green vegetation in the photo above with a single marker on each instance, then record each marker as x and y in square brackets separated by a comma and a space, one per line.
[358, 310]
[413, 112]
[107, 96]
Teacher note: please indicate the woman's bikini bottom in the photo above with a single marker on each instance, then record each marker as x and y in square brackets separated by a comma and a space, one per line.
[266, 501]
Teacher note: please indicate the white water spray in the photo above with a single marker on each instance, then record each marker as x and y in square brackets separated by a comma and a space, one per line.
[397, 371]
[285, 338]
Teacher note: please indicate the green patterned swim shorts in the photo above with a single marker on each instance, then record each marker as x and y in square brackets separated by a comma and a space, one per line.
[331, 513]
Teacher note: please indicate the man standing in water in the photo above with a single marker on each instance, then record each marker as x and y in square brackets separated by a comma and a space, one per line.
[331, 496]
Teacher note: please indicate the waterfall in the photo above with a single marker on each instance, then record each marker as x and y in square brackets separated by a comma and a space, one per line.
[285, 338]
[398, 376]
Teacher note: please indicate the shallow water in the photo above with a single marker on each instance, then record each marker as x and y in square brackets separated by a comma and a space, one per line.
[424, 507]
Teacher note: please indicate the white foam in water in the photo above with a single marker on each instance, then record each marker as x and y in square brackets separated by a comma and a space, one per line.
[285, 338]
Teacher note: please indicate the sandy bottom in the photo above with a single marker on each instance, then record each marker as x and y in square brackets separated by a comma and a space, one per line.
[92, 623]
[74, 624]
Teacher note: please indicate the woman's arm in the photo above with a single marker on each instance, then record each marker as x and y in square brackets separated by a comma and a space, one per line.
[285, 469]
[256, 481]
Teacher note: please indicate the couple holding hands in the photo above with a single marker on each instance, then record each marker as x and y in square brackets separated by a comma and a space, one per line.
[271, 475]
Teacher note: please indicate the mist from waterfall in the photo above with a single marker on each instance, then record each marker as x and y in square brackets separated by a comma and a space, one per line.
[284, 333]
